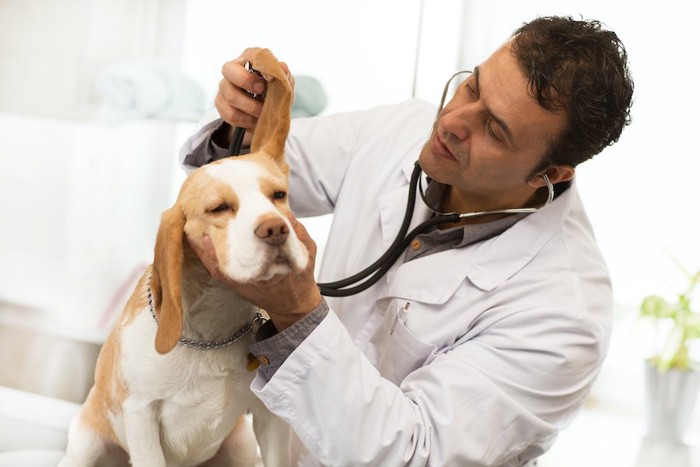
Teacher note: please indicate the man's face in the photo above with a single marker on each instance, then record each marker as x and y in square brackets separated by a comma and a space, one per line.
[490, 138]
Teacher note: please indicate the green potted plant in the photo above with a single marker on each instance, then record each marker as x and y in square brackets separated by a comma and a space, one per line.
[684, 325]
[672, 377]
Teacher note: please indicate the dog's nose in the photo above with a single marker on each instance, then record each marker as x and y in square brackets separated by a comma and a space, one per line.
[272, 231]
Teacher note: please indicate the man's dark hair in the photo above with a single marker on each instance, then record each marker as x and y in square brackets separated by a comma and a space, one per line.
[581, 68]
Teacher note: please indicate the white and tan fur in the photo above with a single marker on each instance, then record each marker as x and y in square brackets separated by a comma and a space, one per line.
[156, 402]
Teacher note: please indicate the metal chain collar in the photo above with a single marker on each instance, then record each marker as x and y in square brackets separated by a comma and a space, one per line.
[258, 321]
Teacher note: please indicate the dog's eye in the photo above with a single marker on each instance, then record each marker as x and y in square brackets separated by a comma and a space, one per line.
[220, 208]
[279, 195]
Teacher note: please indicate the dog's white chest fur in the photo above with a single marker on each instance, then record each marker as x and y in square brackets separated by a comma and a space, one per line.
[196, 395]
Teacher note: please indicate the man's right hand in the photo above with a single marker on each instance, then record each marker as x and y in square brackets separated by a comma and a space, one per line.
[237, 107]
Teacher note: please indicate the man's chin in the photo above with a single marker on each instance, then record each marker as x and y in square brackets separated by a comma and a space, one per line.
[425, 159]
[428, 164]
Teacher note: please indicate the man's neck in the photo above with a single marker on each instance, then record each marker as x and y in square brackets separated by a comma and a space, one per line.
[453, 201]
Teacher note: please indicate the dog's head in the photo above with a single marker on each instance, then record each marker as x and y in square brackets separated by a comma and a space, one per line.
[238, 202]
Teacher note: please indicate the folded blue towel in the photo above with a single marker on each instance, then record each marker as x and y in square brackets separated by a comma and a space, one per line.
[148, 89]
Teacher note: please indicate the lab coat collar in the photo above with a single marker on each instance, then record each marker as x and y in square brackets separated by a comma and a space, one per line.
[503, 256]
[486, 264]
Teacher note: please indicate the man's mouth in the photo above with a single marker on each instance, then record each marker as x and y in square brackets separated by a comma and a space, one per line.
[440, 149]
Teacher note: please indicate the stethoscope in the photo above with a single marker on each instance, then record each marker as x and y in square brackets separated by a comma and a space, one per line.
[372, 273]
[369, 276]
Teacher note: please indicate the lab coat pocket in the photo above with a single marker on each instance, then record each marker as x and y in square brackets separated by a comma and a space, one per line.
[397, 350]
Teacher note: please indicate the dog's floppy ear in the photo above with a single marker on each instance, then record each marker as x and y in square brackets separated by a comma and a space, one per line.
[273, 124]
[167, 278]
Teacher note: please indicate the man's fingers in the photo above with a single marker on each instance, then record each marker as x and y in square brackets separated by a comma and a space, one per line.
[207, 254]
[235, 72]
[303, 236]
[195, 246]
[209, 251]
[236, 106]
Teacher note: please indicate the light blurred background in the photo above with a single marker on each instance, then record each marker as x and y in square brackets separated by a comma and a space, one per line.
[96, 97]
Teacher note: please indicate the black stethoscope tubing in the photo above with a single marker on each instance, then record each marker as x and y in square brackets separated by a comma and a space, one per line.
[372, 273]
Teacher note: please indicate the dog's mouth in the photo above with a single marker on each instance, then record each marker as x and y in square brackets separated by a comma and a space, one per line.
[285, 259]
[290, 254]
[279, 266]
[274, 263]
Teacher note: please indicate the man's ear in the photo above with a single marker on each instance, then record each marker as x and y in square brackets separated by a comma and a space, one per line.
[555, 173]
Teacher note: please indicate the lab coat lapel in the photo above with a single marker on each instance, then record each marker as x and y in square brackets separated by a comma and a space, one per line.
[504, 255]
[432, 279]
[392, 206]
[408, 280]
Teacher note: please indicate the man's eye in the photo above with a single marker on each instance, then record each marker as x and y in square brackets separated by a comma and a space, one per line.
[221, 208]
[279, 195]
[493, 131]
[471, 91]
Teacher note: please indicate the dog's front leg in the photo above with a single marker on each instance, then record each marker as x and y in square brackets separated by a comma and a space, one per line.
[273, 437]
[143, 434]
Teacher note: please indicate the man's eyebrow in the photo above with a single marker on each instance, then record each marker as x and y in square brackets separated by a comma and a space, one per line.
[499, 121]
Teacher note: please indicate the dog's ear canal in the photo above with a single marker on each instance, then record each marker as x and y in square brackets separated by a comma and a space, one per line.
[273, 125]
[167, 279]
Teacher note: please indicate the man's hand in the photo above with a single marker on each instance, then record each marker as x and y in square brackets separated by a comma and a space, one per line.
[237, 107]
[287, 298]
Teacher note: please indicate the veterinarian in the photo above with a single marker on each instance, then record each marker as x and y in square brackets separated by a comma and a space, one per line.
[483, 340]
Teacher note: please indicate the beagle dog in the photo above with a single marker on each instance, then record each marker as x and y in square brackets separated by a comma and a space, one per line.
[172, 381]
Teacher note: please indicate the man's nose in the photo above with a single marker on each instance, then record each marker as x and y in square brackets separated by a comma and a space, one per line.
[460, 121]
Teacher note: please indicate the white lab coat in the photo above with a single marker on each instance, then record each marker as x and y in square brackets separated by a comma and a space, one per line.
[470, 357]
